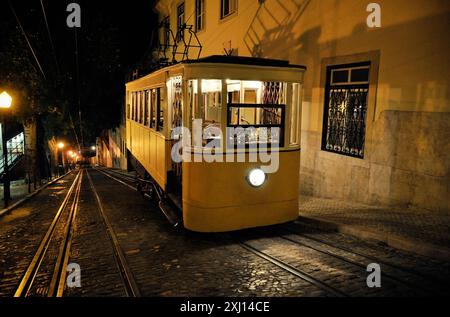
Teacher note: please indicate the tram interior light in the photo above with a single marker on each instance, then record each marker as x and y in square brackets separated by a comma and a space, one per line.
[256, 177]
[236, 85]
[211, 85]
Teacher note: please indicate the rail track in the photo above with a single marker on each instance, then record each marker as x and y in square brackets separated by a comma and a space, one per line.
[294, 271]
[37, 281]
[390, 270]
[131, 287]
[318, 246]
[329, 289]
[56, 284]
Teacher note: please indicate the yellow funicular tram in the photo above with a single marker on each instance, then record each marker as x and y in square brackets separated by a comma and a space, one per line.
[219, 137]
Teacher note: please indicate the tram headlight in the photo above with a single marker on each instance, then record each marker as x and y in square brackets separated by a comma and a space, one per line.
[256, 177]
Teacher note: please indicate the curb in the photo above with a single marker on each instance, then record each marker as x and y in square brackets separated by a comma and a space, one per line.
[29, 196]
[390, 239]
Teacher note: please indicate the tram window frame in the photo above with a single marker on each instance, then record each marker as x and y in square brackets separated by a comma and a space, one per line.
[281, 126]
[134, 106]
[296, 114]
[211, 99]
[127, 109]
[146, 108]
[159, 111]
[152, 115]
[138, 106]
[130, 103]
[143, 105]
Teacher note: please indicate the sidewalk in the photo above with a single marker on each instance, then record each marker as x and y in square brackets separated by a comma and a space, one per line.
[410, 229]
[20, 193]
[19, 189]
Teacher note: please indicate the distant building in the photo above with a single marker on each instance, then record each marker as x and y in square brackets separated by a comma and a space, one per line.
[376, 110]
[111, 149]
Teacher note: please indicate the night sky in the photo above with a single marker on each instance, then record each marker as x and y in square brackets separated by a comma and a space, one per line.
[112, 40]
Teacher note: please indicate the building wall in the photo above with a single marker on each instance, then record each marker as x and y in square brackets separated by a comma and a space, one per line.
[407, 147]
[111, 150]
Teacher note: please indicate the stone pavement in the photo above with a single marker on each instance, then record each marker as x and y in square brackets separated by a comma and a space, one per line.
[21, 191]
[411, 229]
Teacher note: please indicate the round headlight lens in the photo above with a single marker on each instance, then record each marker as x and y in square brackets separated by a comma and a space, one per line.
[256, 177]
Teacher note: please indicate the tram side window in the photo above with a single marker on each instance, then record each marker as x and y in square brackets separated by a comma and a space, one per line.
[138, 105]
[211, 102]
[127, 109]
[193, 100]
[143, 106]
[133, 106]
[146, 108]
[159, 111]
[153, 108]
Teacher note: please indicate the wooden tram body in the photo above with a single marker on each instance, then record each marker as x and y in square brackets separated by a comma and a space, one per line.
[222, 92]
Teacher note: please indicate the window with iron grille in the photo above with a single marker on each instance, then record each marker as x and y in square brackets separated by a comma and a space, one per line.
[180, 22]
[228, 7]
[200, 14]
[344, 124]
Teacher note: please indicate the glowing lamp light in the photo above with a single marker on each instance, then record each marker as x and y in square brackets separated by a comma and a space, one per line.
[70, 153]
[257, 177]
[61, 145]
[93, 148]
[5, 100]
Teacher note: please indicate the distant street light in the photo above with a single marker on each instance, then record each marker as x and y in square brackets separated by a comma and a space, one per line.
[61, 146]
[5, 100]
[5, 103]
[93, 148]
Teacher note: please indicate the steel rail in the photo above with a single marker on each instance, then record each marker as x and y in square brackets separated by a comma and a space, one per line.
[59, 273]
[30, 274]
[294, 271]
[421, 288]
[130, 284]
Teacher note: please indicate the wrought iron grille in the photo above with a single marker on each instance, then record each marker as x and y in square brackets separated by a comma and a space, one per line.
[273, 93]
[177, 120]
[346, 127]
[345, 113]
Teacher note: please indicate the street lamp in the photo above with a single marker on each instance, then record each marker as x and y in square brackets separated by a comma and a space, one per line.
[61, 146]
[5, 103]
[5, 100]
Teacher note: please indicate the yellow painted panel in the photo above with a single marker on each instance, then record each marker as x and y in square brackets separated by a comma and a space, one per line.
[239, 217]
[217, 196]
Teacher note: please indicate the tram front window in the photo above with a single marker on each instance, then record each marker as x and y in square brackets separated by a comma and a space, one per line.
[256, 112]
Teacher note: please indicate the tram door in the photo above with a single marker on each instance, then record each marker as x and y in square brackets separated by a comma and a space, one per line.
[176, 101]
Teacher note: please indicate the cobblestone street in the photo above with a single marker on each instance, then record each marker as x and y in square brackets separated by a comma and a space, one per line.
[141, 248]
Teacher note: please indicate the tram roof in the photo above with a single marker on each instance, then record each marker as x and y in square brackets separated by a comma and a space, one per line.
[242, 60]
[154, 76]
